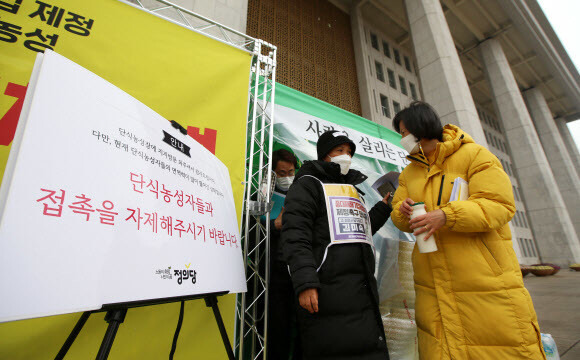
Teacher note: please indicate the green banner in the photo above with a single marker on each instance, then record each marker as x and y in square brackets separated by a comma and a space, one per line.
[300, 119]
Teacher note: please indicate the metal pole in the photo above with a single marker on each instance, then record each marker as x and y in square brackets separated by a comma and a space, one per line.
[249, 185]
[211, 301]
[114, 318]
[73, 335]
[267, 123]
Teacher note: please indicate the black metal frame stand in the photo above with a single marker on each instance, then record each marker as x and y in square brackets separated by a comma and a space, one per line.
[211, 301]
[116, 315]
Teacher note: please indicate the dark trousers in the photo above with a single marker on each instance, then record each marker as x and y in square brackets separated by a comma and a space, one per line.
[283, 340]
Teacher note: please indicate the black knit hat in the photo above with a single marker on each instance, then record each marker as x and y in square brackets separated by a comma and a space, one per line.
[331, 139]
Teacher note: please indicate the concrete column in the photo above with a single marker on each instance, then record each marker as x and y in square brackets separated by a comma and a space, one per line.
[555, 150]
[232, 14]
[361, 56]
[442, 79]
[515, 244]
[571, 146]
[553, 230]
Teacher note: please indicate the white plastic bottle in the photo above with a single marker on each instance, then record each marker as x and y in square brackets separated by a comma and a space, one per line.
[424, 246]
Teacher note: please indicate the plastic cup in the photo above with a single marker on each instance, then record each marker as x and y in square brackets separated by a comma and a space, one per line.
[424, 246]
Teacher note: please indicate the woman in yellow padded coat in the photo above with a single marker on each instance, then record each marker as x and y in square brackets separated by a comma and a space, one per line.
[471, 302]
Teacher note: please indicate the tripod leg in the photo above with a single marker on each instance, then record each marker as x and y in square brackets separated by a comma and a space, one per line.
[114, 318]
[211, 301]
[73, 335]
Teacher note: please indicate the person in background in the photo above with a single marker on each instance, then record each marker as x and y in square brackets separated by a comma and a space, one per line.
[281, 319]
[338, 313]
[470, 298]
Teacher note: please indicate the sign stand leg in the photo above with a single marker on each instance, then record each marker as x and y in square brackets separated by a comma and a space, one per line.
[73, 335]
[211, 301]
[114, 318]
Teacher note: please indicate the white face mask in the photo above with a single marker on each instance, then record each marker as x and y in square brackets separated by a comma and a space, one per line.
[344, 162]
[284, 182]
[410, 144]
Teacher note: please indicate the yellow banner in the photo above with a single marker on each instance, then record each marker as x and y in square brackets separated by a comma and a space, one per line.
[199, 82]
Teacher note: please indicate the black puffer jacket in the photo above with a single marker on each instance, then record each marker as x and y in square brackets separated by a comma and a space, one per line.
[348, 324]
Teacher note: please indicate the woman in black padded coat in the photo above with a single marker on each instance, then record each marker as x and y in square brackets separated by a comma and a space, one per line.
[338, 313]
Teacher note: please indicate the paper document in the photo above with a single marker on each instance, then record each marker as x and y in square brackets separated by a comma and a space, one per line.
[460, 190]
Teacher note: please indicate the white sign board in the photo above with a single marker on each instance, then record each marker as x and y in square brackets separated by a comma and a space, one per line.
[311, 127]
[104, 202]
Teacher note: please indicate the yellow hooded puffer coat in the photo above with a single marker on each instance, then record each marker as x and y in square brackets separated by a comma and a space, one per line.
[471, 302]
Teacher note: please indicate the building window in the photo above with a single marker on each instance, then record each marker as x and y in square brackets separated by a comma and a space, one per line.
[374, 41]
[515, 193]
[396, 107]
[386, 49]
[526, 247]
[397, 56]
[413, 90]
[403, 85]
[525, 220]
[531, 249]
[375, 97]
[522, 247]
[392, 80]
[407, 64]
[385, 106]
[380, 73]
